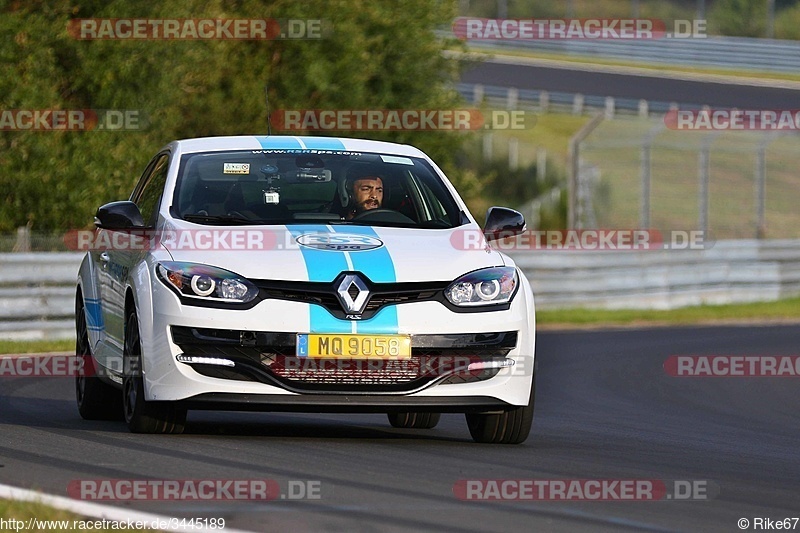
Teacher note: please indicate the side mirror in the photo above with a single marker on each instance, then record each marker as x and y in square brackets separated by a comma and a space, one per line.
[502, 222]
[119, 215]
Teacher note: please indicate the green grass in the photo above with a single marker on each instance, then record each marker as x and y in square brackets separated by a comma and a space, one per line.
[15, 347]
[26, 510]
[782, 310]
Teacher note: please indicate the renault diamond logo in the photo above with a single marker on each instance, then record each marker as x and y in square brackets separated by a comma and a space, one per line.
[353, 294]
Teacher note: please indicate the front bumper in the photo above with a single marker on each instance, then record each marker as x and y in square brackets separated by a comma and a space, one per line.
[260, 341]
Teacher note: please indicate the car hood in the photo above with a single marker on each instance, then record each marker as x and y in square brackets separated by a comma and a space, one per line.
[316, 252]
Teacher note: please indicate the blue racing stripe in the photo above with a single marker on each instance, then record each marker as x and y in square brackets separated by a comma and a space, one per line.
[322, 143]
[94, 314]
[323, 266]
[378, 266]
[278, 143]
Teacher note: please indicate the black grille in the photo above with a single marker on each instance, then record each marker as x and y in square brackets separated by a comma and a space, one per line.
[269, 357]
[324, 294]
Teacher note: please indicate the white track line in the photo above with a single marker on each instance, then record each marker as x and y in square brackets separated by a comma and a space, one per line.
[98, 511]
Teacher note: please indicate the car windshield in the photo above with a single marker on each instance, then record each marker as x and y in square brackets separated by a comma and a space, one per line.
[312, 186]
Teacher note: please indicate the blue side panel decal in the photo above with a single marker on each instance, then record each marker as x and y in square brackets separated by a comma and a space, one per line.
[278, 143]
[322, 265]
[378, 266]
[94, 314]
[322, 143]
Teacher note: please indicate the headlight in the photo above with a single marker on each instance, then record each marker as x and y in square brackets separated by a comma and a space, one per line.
[490, 286]
[206, 282]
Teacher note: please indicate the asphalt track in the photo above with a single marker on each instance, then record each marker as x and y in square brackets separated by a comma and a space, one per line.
[605, 409]
[618, 85]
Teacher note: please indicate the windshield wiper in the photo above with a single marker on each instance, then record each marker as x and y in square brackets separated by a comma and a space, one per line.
[222, 219]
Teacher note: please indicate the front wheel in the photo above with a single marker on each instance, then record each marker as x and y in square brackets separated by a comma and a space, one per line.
[96, 400]
[143, 416]
[508, 427]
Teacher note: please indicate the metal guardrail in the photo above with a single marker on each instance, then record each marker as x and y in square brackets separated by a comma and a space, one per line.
[499, 97]
[739, 53]
[37, 295]
[37, 290]
[730, 272]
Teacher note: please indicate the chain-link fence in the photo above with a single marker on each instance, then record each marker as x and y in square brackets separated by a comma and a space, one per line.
[732, 184]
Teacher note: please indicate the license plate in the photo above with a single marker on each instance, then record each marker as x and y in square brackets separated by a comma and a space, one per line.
[354, 346]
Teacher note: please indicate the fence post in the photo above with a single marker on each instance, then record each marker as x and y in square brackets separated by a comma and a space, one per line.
[23, 244]
[761, 192]
[702, 168]
[513, 153]
[541, 164]
[487, 146]
[644, 214]
[573, 168]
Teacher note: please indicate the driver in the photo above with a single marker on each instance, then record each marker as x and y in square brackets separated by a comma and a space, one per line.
[366, 193]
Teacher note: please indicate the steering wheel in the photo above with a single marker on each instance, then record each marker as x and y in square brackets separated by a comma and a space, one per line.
[385, 215]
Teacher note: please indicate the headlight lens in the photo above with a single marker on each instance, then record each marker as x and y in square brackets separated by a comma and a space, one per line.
[490, 286]
[206, 282]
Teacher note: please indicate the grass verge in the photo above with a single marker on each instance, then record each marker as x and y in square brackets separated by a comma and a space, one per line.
[787, 310]
[45, 518]
[43, 346]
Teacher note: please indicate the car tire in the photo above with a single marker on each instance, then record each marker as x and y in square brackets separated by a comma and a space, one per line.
[508, 427]
[143, 416]
[96, 400]
[413, 420]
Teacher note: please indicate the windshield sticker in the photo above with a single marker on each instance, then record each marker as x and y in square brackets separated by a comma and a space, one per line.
[306, 151]
[398, 160]
[236, 168]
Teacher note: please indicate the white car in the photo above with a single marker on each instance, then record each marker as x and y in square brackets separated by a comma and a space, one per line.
[250, 273]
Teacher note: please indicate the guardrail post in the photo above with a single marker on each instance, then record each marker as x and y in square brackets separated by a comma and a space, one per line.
[643, 108]
[609, 107]
[544, 101]
[477, 94]
[512, 98]
[577, 104]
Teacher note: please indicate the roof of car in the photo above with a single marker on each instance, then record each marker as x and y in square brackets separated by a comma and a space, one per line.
[286, 142]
